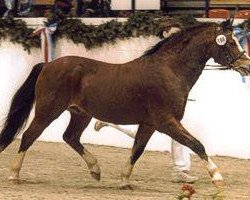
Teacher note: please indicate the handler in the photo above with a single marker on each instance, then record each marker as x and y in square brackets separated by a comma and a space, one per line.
[180, 155]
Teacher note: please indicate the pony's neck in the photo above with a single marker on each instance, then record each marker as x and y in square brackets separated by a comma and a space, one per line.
[191, 55]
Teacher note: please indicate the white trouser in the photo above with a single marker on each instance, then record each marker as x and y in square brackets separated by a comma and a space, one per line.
[9, 4]
[181, 157]
[180, 153]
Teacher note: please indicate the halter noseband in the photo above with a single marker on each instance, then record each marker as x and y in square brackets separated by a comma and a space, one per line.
[230, 58]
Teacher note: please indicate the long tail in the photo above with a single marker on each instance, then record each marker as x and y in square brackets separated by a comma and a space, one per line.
[20, 108]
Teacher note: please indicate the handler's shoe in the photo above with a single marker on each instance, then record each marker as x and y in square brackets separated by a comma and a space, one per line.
[183, 177]
[99, 125]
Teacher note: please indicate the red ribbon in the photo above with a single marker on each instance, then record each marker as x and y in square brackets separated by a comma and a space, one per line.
[46, 51]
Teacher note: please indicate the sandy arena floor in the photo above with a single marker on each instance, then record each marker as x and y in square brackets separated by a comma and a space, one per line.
[53, 171]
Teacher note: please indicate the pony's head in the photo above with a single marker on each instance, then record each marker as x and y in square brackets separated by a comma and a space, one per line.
[226, 49]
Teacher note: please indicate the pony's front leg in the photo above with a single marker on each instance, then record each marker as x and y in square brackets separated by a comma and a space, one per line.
[174, 129]
[92, 164]
[141, 139]
[213, 171]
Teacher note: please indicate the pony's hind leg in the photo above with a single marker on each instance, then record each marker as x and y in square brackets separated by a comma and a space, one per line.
[78, 122]
[175, 130]
[46, 111]
[29, 136]
[142, 137]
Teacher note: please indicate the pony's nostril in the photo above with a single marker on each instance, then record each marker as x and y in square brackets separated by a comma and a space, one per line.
[247, 67]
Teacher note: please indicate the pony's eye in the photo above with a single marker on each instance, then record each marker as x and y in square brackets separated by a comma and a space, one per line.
[231, 42]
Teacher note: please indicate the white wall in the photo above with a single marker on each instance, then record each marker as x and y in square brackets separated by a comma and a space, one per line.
[139, 4]
[218, 117]
[147, 4]
[121, 5]
[14, 68]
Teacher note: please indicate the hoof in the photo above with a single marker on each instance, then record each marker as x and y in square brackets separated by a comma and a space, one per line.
[126, 187]
[220, 184]
[14, 179]
[96, 175]
[99, 125]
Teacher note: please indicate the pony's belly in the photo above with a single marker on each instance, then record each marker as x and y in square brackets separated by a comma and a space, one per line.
[112, 102]
[117, 114]
[120, 116]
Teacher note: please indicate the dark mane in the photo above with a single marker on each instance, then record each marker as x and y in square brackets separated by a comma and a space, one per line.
[173, 39]
[154, 48]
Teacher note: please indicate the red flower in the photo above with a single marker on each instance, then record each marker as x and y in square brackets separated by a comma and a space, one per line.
[188, 191]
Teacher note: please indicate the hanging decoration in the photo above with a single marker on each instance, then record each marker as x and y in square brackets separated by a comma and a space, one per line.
[138, 24]
[47, 32]
[18, 32]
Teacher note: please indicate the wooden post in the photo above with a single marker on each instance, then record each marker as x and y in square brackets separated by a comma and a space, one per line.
[16, 7]
[207, 8]
[133, 6]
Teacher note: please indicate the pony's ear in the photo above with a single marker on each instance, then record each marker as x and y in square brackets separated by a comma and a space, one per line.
[233, 16]
[227, 25]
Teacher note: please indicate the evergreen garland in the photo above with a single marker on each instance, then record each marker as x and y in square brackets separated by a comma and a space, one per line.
[18, 32]
[138, 24]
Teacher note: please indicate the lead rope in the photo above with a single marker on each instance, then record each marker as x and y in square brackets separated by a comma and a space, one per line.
[216, 67]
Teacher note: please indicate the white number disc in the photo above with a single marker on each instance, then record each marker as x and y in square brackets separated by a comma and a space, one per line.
[221, 40]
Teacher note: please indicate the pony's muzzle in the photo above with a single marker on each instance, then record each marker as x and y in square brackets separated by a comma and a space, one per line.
[242, 66]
